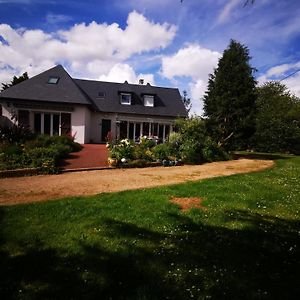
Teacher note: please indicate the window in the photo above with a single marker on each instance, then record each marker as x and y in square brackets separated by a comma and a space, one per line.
[101, 94]
[23, 118]
[52, 123]
[149, 100]
[126, 99]
[53, 80]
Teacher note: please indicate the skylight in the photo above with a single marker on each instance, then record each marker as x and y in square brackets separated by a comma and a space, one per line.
[53, 80]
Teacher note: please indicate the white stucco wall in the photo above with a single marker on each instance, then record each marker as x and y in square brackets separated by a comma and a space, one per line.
[80, 122]
[8, 111]
[96, 125]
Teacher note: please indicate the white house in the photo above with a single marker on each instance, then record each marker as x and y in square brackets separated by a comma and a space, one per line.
[54, 103]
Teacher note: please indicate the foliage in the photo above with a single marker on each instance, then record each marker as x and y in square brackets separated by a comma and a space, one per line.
[163, 151]
[43, 152]
[45, 141]
[212, 152]
[15, 81]
[277, 119]
[189, 143]
[123, 149]
[138, 245]
[229, 102]
[15, 134]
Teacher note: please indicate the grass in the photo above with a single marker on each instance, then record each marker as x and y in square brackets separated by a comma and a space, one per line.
[137, 245]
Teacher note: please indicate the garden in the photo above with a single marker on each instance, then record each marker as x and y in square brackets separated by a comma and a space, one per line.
[21, 149]
[188, 144]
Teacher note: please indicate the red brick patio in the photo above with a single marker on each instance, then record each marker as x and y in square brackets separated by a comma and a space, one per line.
[92, 156]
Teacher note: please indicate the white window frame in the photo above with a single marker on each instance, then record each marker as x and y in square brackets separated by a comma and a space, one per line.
[51, 121]
[149, 100]
[121, 99]
[53, 80]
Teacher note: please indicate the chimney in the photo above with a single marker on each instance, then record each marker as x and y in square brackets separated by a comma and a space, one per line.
[141, 81]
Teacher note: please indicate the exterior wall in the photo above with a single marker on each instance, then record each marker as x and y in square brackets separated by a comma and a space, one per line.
[96, 125]
[80, 123]
[5, 119]
[8, 112]
[86, 126]
[80, 119]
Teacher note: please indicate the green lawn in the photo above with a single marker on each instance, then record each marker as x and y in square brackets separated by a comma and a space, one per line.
[137, 245]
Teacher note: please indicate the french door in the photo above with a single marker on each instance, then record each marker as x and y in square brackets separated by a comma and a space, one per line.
[52, 123]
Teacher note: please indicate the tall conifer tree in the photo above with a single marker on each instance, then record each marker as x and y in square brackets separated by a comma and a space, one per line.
[229, 102]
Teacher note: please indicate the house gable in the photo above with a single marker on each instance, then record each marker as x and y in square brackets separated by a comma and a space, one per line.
[53, 85]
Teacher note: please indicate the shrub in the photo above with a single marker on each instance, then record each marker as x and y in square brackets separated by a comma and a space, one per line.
[44, 153]
[162, 151]
[47, 141]
[212, 152]
[44, 158]
[15, 134]
[121, 149]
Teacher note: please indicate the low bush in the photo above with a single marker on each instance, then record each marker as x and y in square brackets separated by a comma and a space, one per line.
[212, 152]
[123, 149]
[43, 152]
[47, 141]
[162, 151]
[190, 144]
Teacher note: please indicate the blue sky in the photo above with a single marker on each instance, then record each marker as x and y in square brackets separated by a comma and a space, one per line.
[166, 42]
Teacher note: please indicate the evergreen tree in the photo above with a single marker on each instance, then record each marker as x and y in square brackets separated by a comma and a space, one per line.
[15, 81]
[229, 102]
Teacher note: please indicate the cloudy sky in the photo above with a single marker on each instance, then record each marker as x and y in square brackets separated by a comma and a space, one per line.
[166, 42]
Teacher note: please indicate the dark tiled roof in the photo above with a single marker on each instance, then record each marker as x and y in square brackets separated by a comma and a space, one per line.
[37, 88]
[101, 96]
[167, 101]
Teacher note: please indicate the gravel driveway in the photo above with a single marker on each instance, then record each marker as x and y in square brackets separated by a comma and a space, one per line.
[47, 187]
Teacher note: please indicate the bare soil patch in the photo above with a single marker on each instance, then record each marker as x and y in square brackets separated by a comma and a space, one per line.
[48, 187]
[186, 204]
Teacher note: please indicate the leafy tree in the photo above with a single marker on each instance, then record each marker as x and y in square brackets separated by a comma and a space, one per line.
[15, 81]
[277, 119]
[229, 102]
[186, 101]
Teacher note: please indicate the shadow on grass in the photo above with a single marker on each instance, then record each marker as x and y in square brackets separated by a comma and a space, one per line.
[193, 260]
[258, 155]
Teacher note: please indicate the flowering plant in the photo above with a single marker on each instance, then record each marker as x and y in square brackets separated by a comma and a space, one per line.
[121, 150]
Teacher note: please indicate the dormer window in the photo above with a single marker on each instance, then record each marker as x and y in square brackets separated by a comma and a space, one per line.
[53, 80]
[148, 100]
[101, 94]
[125, 99]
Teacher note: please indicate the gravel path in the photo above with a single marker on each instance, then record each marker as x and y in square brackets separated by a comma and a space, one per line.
[47, 187]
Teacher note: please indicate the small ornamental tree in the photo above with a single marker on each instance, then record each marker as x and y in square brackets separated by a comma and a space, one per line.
[229, 102]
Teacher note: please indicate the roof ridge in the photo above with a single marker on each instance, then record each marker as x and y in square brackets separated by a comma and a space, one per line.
[135, 84]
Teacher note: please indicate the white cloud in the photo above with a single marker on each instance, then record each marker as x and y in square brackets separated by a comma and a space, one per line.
[227, 11]
[57, 18]
[121, 72]
[280, 72]
[89, 49]
[194, 62]
[197, 90]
